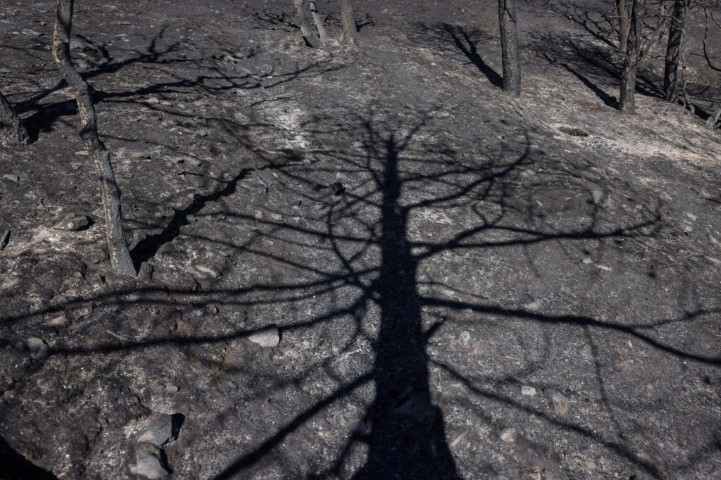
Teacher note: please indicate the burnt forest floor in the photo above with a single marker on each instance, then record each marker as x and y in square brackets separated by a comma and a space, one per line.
[459, 284]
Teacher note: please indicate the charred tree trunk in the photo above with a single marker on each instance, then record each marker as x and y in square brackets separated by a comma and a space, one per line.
[10, 121]
[509, 46]
[350, 30]
[673, 51]
[311, 37]
[318, 21]
[623, 25]
[713, 119]
[117, 246]
[630, 66]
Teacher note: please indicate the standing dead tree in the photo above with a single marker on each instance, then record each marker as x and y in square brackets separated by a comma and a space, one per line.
[509, 47]
[315, 38]
[623, 25]
[627, 101]
[673, 50]
[350, 30]
[117, 246]
[9, 120]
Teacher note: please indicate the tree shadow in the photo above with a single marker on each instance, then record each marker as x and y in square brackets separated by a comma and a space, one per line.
[383, 252]
[14, 466]
[462, 40]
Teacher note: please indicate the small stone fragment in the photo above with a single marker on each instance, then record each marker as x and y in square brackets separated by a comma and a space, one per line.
[171, 388]
[140, 155]
[206, 272]
[561, 405]
[527, 391]
[587, 261]
[37, 347]
[164, 429]
[532, 306]
[150, 462]
[56, 320]
[11, 177]
[74, 224]
[508, 435]
[458, 439]
[465, 337]
[266, 337]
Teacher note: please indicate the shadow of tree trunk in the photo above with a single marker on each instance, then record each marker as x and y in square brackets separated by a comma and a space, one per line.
[407, 438]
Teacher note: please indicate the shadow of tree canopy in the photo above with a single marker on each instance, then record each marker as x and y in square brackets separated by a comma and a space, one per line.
[398, 259]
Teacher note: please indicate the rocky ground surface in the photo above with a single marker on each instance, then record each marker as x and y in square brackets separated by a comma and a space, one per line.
[364, 263]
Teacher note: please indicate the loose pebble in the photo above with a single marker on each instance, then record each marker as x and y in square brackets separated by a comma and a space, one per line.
[508, 435]
[266, 337]
[528, 391]
[56, 320]
[150, 462]
[561, 405]
[163, 429]
[74, 224]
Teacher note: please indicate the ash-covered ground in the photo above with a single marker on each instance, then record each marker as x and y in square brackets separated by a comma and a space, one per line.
[358, 263]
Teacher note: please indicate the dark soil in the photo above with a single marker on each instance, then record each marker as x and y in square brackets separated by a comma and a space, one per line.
[465, 285]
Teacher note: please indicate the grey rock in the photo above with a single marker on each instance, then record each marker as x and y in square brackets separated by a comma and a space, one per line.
[163, 429]
[171, 388]
[74, 224]
[508, 435]
[561, 405]
[527, 391]
[37, 346]
[11, 177]
[150, 462]
[266, 337]
[56, 319]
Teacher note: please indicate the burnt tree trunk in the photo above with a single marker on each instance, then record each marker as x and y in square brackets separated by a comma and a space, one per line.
[350, 31]
[673, 51]
[10, 121]
[713, 119]
[623, 25]
[310, 36]
[509, 47]
[627, 101]
[117, 246]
